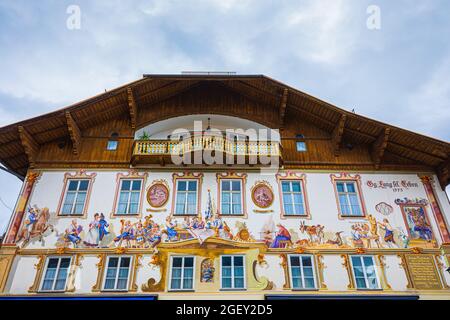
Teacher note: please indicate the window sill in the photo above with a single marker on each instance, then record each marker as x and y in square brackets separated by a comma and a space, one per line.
[114, 290]
[232, 289]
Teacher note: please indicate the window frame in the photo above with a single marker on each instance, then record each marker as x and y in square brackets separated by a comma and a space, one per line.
[346, 178]
[305, 149]
[169, 286]
[293, 177]
[313, 265]
[232, 176]
[116, 207]
[186, 193]
[186, 176]
[130, 175]
[377, 275]
[44, 271]
[105, 271]
[116, 145]
[244, 288]
[80, 175]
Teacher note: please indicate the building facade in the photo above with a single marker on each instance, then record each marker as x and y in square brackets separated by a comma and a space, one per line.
[223, 186]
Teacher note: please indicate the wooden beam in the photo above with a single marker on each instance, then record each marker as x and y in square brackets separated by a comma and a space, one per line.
[336, 136]
[132, 108]
[30, 145]
[443, 173]
[74, 132]
[283, 105]
[379, 146]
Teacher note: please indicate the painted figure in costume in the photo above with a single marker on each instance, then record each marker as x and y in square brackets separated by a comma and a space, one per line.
[126, 233]
[140, 235]
[357, 236]
[102, 227]
[155, 235]
[72, 234]
[32, 219]
[421, 225]
[389, 232]
[170, 228]
[92, 238]
[35, 226]
[282, 237]
[207, 271]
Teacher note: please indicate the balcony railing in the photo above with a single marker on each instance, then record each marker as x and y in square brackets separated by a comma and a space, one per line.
[167, 148]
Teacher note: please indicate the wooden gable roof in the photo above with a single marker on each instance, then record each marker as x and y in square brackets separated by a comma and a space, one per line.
[19, 142]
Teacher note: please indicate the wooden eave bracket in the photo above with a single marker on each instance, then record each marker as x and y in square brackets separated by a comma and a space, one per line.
[29, 144]
[336, 136]
[283, 105]
[379, 146]
[132, 108]
[74, 132]
[443, 173]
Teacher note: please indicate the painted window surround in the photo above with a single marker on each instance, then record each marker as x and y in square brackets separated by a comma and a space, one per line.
[79, 175]
[187, 176]
[232, 176]
[130, 175]
[293, 176]
[346, 177]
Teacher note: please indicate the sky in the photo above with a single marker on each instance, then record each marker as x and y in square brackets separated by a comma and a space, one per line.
[388, 60]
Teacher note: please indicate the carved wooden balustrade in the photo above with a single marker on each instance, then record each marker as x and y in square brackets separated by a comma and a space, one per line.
[251, 152]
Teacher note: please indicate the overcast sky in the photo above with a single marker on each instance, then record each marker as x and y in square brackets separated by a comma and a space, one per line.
[399, 74]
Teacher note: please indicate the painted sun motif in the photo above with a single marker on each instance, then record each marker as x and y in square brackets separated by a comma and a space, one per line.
[157, 195]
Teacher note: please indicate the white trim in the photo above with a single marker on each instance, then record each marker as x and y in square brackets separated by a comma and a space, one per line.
[347, 196]
[186, 197]
[129, 196]
[56, 274]
[365, 273]
[241, 193]
[303, 274]
[117, 273]
[62, 213]
[291, 195]
[232, 272]
[169, 286]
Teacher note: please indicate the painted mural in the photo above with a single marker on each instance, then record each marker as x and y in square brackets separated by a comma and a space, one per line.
[146, 233]
[367, 232]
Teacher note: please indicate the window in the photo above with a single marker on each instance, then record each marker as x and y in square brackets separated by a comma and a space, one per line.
[75, 198]
[182, 273]
[293, 197]
[56, 272]
[301, 146]
[364, 271]
[113, 142]
[231, 197]
[112, 145]
[349, 202]
[129, 196]
[302, 272]
[117, 273]
[186, 199]
[232, 272]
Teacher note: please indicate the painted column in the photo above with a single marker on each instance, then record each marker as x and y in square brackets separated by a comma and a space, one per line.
[438, 215]
[21, 207]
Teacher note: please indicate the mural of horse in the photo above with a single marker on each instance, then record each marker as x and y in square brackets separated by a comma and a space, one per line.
[37, 231]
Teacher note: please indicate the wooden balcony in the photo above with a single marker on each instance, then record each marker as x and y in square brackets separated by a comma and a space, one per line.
[247, 153]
